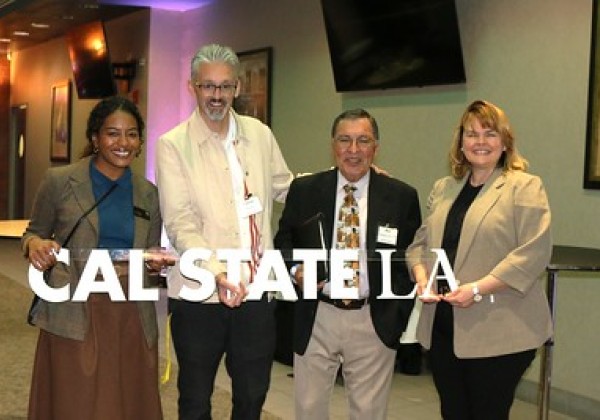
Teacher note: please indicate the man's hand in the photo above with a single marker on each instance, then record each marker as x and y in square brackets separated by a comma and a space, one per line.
[230, 294]
[158, 258]
[380, 171]
[299, 278]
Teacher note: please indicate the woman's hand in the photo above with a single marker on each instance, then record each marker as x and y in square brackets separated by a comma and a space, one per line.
[462, 297]
[422, 278]
[42, 253]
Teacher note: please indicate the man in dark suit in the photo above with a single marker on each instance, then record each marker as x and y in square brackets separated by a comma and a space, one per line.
[360, 334]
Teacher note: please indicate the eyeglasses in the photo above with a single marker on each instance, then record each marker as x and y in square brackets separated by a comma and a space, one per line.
[362, 143]
[211, 88]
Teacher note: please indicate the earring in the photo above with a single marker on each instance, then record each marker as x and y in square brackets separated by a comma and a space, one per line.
[95, 150]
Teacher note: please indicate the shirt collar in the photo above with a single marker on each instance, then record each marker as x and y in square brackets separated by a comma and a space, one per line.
[360, 185]
[202, 133]
[231, 132]
[99, 178]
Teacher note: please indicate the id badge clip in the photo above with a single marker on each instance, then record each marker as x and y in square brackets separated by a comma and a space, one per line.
[251, 206]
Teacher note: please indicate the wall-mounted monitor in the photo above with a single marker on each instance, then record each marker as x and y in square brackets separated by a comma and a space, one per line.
[90, 61]
[383, 44]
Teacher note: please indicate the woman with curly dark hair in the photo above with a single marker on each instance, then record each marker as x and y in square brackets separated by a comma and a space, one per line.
[96, 359]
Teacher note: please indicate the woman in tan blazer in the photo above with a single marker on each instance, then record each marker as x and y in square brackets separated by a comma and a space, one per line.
[493, 221]
[96, 359]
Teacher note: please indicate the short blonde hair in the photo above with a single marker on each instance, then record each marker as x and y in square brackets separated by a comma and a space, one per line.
[492, 117]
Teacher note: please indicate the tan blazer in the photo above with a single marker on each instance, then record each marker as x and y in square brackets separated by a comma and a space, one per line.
[506, 233]
[63, 196]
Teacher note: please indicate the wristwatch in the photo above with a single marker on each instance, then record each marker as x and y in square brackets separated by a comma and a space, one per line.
[476, 295]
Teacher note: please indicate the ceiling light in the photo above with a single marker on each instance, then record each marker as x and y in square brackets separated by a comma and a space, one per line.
[21, 33]
[175, 5]
[40, 25]
[5, 40]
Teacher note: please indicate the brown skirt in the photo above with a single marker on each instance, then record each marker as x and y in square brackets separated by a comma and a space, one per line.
[112, 374]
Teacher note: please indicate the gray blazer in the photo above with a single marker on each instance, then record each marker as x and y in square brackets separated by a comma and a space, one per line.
[63, 196]
[506, 233]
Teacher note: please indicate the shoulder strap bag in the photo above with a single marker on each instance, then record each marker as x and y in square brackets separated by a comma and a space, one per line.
[36, 299]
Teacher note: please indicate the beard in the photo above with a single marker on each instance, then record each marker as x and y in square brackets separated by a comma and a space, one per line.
[217, 113]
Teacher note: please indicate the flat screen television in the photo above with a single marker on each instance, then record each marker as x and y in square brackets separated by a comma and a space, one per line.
[383, 44]
[90, 61]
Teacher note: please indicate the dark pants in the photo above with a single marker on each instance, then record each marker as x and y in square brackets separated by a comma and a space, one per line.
[472, 389]
[202, 333]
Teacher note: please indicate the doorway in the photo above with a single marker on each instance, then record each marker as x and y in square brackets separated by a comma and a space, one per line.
[16, 162]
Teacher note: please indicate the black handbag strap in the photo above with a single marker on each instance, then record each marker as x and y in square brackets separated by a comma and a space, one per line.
[36, 298]
[84, 215]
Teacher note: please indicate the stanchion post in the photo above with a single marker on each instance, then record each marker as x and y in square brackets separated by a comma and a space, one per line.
[547, 349]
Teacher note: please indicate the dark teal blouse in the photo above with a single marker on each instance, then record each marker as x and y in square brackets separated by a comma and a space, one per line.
[115, 212]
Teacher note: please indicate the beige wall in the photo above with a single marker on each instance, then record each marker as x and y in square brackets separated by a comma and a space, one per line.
[531, 58]
[127, 39]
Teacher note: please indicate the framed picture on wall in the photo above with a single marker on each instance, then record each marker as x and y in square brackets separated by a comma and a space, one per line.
[254, 98]
[60, 125]
[591, 178]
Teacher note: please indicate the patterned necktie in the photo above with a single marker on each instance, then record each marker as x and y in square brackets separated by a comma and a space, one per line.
[348, 229]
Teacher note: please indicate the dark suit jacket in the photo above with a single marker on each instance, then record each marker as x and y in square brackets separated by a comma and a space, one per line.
[390, 202]
[63, 196]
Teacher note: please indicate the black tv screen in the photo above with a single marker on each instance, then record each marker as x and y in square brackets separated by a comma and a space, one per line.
[383, 44]
[90, 61]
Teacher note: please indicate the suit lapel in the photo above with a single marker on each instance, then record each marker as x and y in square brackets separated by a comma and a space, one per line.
[81, 185]
[476, 214]
[140, 230]
[326, 204]
[376, 204]
[438, 223]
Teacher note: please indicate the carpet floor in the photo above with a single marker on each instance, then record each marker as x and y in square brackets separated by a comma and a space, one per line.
[17, 346]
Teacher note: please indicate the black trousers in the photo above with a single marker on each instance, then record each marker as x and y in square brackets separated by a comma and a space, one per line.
[472, 389]
[202, 334]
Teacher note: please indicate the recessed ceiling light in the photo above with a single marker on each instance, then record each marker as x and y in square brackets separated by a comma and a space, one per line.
[21, 33]
[40, 25]
[6, 40]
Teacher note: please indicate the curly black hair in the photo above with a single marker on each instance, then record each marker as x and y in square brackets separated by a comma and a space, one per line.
[102, 111]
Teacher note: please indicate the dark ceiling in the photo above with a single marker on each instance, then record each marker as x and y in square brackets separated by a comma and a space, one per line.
[60, 15]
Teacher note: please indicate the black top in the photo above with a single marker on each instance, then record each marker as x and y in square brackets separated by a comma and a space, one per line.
[455, 219]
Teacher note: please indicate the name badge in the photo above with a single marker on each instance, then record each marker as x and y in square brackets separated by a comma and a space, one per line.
[250, 206]
[387, 235]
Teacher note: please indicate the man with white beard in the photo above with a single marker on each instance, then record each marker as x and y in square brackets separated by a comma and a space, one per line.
[218, 173]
